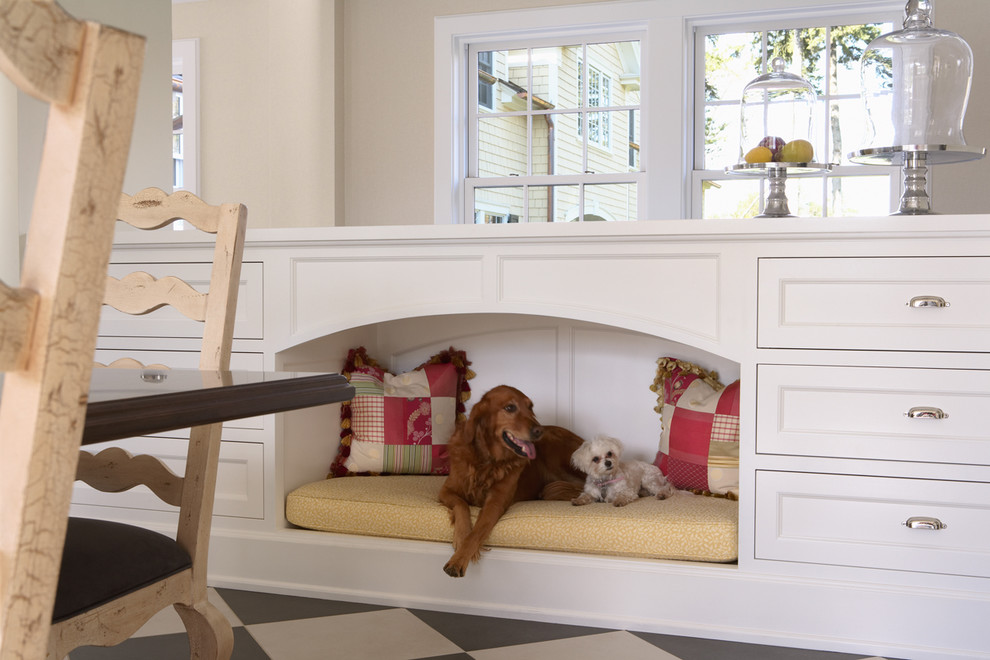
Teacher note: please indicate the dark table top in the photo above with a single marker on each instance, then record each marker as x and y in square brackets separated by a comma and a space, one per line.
[125, 403]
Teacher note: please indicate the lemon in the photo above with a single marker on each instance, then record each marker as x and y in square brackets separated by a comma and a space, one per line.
[758, 155]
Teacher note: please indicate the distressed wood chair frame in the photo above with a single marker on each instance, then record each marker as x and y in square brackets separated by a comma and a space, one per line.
[114, 470]
[89, 75]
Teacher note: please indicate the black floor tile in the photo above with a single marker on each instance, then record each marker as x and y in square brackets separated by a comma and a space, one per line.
[245, 647]
[690, 648]
[159, 647]
[473, 633]
[253, 607]
[166, 647]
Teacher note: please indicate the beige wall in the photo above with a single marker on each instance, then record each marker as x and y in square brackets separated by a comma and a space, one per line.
[269, 117]
[320, 112]
[963, 187]
[22, 121]
[152, 124]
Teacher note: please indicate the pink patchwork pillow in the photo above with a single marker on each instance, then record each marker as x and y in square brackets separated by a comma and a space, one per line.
[400, 423]
[699, 445]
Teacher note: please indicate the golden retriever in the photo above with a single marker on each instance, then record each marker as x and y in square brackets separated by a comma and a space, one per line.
[501, 455]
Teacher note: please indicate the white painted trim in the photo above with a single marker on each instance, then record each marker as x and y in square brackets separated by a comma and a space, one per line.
[185, 60]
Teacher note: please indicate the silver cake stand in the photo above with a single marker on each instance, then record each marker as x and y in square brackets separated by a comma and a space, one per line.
[776, 175]
[914, 160]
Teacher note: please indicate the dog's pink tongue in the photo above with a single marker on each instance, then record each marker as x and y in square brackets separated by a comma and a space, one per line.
[528, 448]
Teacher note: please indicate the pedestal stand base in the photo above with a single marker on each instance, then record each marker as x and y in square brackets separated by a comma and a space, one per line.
[776, 174]
[914, 160]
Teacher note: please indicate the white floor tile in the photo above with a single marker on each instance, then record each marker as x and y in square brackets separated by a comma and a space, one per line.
[168, 622]
[393, 634]
[592, 647]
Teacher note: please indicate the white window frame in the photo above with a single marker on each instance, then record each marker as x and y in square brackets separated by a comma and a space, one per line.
[865, 13]
[668, 77]
[185, 61]
[457, 37]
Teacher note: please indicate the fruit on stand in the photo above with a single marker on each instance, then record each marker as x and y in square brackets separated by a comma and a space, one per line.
[758, 155]
[772, 143]
[795, 151]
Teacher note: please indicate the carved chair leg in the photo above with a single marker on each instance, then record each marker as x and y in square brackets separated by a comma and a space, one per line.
[210, 634]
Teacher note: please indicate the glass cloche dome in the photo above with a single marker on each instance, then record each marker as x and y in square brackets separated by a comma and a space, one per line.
[776, 113]
[916, 83]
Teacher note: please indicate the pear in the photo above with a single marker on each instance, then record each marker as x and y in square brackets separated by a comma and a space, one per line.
[796, 151]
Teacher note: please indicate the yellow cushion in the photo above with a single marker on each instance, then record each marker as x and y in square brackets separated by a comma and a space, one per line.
[686, 526]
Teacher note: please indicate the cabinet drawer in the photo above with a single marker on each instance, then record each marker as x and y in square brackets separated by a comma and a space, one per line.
[866, 303]
[928, 415]
[860, 521]
[167, 322]
[240, 478]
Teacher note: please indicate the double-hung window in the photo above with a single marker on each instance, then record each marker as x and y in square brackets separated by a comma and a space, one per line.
[630, 110]
[825, 51]
[549, 128]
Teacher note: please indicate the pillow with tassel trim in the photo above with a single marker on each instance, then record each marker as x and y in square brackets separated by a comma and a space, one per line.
[401, 423]
[699, 444]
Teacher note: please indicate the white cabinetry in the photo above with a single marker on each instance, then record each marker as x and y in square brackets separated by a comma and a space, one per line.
[857, 464]
[863, 346]
[165, 336]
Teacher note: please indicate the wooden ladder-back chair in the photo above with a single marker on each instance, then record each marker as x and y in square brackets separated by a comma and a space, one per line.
[104, 561]
[89, 76]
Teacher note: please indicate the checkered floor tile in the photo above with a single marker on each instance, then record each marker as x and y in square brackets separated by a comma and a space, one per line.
[276, 627]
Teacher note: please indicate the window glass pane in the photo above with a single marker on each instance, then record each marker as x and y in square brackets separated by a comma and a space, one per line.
[633, 124]
[517, 75]
[804, 196]
[502, 75]
[730, 198]
[599, 125]
[559, 203]
[848, 44]
[615, 201]
[498, 205]
[502, 146]
[847, 123]
[610, 153]
[563, 79]
[731, 61]
[486, 81]
[803, 50]
[857, 195]
[721, 136]
[549, 70]
[544, 126]
[552, 203]
[567, 146]
[620, 62]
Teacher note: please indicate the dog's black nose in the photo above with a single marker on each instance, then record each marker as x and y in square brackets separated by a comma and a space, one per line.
[537, 432]
[608, 464]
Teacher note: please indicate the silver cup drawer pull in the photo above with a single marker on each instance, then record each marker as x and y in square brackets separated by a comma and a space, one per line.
[926, 412]
[923, 522]
[927, 301]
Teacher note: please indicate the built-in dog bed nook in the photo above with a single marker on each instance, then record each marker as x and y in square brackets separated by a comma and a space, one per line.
[684, 527]
[400, 423]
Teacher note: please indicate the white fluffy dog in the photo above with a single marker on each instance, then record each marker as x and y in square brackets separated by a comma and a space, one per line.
[610, 479]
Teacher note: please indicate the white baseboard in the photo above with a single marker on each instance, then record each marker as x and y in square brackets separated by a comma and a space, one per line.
[677, 598]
